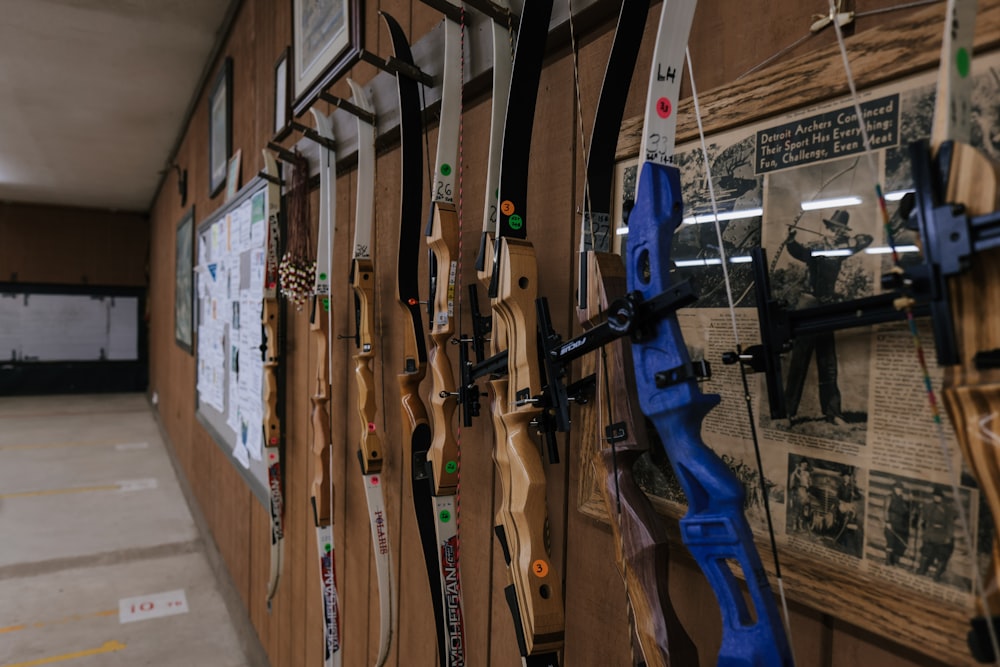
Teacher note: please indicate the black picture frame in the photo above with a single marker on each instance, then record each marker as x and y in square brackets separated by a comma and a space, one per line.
[184, 283]
[327, 39]
[282, 94]
[220, 132]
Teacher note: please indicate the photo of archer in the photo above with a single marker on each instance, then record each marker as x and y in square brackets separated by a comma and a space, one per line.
[826, 503]
[817, 257]
[915, 528]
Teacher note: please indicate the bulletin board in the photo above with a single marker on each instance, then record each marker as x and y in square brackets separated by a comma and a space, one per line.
[229, 278]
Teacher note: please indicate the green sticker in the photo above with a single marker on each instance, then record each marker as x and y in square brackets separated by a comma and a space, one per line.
[327, 548]
[326, 305]
[450, 467]
[963, 62]
[444, 516]
[516, 222]
[322, 277]
[445, 169]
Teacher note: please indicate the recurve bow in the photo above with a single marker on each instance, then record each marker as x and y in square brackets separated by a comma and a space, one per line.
[440, 535]
[958, 196]
[714, 529]
[320, 322]
[535, 592]
[362, 278]
[641, 539]
[270, 349]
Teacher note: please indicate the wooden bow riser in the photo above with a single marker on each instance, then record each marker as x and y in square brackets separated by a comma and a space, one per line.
[523, 514]
[642, 543]
[320, 491]
[971, 395]
[271, 425]
[443, 243]
[364, 295]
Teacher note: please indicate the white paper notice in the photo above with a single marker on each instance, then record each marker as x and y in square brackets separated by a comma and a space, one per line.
[240, 454]
[155, 605]
[136, 484]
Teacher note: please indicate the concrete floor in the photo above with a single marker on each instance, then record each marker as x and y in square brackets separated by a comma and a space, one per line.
[101, 562]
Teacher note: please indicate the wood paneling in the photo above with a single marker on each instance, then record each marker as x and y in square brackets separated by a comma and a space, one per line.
[73, 246]
[730, 37]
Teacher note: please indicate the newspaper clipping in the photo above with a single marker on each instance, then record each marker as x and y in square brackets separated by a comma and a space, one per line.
[856, 472]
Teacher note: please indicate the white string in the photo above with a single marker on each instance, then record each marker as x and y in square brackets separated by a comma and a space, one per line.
[736, 335]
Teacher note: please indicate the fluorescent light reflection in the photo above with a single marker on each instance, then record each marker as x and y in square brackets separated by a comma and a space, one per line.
[837, 202]
[885, 250]
[837, 252]
[714, 261]
[727, 215]
[897, 195]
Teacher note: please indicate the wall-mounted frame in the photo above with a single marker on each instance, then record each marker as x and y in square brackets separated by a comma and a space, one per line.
[326, 41]
[220, 132]
[184, 284]
[233, 174]
[282, 90]
[847, 579]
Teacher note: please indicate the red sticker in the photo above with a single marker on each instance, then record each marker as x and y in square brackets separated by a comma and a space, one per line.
[664, 108]
[371, 427]
[374, 481]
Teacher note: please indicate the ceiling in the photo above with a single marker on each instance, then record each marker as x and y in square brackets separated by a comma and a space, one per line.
[93, 95]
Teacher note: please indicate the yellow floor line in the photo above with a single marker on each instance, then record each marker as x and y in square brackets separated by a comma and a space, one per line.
[55, 492]
[40, 445]
[107, 647]
[66, 619]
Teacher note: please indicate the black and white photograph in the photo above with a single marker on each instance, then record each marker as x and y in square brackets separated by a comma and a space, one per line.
[822, 223]
[915, 528]
[826, 503]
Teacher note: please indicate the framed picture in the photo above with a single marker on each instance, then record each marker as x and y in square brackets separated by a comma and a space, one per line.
[220, 135]
[326, 41]
[184, 283]
[282, 101]
[233, 174]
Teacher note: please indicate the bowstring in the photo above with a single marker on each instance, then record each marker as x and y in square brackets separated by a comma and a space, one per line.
[953, 474]
[739, 350]
[459, 208]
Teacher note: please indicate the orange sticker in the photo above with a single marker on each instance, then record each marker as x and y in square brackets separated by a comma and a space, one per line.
[507, 207]
[540, 568]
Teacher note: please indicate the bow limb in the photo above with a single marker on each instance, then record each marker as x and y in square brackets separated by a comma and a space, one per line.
[270, 348]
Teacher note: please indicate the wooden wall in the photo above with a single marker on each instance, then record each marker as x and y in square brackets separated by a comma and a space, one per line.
[729, 37]
[72, 246]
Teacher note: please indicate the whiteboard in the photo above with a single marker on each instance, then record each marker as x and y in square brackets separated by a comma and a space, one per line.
[68, 327]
